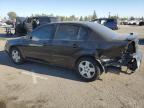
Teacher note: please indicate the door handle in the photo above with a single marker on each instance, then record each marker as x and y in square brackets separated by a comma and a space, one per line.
[75, 46]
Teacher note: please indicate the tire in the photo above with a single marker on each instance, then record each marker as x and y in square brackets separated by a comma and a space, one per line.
[88, 69]
[16, 56]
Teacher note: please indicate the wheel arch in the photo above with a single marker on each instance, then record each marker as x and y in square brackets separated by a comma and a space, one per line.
[15, 46]
[102, 69]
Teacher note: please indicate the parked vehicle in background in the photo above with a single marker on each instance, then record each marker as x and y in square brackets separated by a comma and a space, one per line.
[108, 22]
[136, 22]
[133, 22]
[26, 25]
[124, 22]
[85, 46]
[3, 24]
[141, 22]
[19, 26]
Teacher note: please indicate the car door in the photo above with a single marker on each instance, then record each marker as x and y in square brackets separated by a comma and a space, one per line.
[39, 46]
[65, 44]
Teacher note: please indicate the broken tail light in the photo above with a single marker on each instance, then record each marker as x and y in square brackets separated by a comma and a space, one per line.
[131, 47]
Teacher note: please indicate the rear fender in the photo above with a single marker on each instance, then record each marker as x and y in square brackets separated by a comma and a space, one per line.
[91, 54]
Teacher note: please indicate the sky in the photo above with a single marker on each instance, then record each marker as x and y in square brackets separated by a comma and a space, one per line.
[124, 8]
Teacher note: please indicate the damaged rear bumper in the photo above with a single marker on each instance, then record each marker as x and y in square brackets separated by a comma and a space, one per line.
[132, 62]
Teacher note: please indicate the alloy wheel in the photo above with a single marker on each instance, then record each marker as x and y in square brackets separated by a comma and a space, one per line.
[16, 56]
[86, 69]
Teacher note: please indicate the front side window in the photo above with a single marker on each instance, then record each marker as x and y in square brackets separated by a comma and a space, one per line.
[67, 32]
[43, 33]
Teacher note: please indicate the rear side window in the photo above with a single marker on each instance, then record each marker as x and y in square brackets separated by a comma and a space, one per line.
[83, 34]
[67, 32]
[44, 33]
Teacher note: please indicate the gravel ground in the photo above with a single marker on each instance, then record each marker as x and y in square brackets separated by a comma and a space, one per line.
[34, 85]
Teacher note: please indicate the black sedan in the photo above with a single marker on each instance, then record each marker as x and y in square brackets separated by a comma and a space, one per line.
[85, 46]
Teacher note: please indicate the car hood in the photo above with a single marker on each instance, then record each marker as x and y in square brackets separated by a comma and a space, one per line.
[17, 40]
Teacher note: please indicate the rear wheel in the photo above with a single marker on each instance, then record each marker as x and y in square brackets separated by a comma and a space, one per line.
[88, 69]
[16, 56]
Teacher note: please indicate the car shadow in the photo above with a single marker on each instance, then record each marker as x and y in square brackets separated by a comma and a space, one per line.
[50, 69]
[141, 41]
[117, 70]
[40, 68]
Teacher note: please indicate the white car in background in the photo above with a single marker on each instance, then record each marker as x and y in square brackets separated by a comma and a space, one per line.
[136, 22]
[2, 24]
[133, 22]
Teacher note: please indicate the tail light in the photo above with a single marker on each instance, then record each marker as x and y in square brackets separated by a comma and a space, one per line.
[131, 47]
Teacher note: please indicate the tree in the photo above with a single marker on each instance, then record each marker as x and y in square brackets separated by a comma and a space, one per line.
[132, 18]
[89, 18]
[51, 15]
[12, 15]
[94, 15]
[85, 18]
[114, 17]
[62, 18]
[81, 18]
[124, 18]
[72, 18]
[43, 14]
[32, 15]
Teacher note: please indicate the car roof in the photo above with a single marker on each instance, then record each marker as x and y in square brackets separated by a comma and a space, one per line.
[97, 28]
[83, 23]
[106, 19]
[43, 17]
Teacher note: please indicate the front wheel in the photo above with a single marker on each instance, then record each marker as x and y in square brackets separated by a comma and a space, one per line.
[88, 69]
[16, 56]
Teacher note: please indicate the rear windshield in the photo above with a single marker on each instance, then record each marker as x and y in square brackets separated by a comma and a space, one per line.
[103, 31]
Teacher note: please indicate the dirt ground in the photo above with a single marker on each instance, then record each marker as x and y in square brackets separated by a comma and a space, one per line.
[34, 85]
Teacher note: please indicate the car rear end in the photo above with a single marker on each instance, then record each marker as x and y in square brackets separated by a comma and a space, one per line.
[132, 57]
[120, 50]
